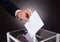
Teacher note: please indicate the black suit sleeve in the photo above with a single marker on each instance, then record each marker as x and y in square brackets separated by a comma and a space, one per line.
[9, 6]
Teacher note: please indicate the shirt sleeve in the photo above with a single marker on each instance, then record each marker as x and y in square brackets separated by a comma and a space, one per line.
[16, 12]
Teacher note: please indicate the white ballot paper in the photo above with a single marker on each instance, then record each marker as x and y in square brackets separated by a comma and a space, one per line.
[34, 24]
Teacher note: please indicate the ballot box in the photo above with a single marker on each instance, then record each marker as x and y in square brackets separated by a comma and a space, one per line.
[42, 35]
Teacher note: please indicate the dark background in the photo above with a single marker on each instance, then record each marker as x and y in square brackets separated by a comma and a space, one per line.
[49, 11]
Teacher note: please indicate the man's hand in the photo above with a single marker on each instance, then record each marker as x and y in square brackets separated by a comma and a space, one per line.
[24, 15]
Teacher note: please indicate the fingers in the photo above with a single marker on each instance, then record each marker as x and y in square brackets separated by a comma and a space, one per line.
[27, 16]
[29, 12]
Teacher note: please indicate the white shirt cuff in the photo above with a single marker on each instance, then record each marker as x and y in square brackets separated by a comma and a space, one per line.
[17, 13]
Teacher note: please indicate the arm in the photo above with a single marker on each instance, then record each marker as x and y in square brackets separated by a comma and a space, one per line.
[9, 7]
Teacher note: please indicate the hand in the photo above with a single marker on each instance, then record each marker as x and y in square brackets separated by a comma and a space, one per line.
[24, 15]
